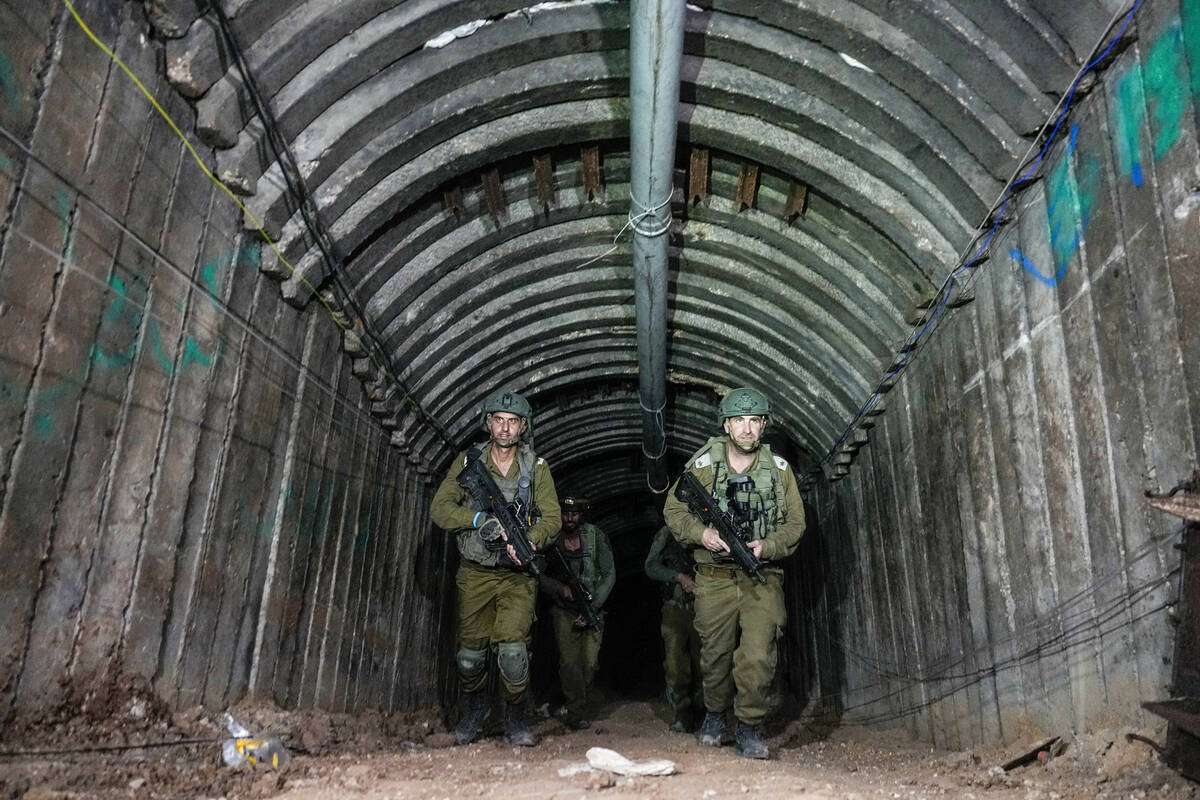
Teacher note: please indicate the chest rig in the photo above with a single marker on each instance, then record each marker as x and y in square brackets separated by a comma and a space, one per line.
[518, 493]
[581, 561]
[751, 498]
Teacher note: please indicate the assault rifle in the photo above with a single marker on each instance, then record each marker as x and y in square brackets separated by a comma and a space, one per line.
[701, 503]
[513, 518]
[581, 598]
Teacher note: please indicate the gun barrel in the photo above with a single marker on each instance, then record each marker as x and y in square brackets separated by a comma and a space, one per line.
[702, 504]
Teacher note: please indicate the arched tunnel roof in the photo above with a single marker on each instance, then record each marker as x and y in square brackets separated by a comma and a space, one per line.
[470, 163]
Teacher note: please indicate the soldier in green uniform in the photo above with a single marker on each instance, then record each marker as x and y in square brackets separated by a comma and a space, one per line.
[588, 555]
[674, 568]
[739, 620]
[495, 596]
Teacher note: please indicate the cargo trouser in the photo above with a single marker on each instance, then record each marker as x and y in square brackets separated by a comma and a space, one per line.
[739, 622]
[578, 658]
[495, 611]
[681, 655]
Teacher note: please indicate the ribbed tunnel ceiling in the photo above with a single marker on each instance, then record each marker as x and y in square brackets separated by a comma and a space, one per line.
[470, 163]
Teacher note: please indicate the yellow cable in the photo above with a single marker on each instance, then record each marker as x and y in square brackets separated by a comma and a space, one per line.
[204, 168]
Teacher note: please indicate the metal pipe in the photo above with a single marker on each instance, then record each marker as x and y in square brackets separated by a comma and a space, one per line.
[655, 52]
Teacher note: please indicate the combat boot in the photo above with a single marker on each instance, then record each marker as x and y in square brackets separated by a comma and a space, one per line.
[683, 720]
[575, 722]
[515, 731]
[712, 729]
[747, 742]
[478, 709]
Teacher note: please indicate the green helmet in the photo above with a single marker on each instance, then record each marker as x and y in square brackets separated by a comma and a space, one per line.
[743, 402]
[511, 402]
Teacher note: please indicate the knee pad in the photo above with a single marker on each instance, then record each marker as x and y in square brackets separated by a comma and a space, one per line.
[513, 661]
[471, 662]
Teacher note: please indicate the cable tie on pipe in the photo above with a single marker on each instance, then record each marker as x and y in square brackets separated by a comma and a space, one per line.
[635, 220]
[652, 410]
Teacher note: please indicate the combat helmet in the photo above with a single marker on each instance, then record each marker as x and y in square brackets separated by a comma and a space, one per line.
[743, 401]
[510, 402]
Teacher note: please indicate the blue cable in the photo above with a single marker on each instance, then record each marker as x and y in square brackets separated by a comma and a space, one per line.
[949, 283]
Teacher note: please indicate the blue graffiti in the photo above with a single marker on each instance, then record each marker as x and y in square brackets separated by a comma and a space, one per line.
[1028, 266]
[1158, 88]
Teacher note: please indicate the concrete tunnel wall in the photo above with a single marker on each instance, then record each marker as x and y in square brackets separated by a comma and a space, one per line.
[989, 562]
[195, 496]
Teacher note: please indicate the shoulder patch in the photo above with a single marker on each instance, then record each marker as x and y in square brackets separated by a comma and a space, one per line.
[703, 461]
[780, 463]
[541, 460]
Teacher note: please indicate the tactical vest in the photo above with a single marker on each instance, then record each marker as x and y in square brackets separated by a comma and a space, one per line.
[763, 503]
[470, 546]
[584, 555]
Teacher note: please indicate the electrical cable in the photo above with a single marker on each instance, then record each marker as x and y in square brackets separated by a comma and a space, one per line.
[312, 220]
[1059, 642]
[243, 323]
[113, 748]
[918, 337]
[1051, 619]
[439, 429]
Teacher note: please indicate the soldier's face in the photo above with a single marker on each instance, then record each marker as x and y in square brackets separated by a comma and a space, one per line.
[745, 431]
[505, 428]
[570, 520]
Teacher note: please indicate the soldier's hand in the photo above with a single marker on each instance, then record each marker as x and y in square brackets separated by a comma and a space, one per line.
[712, 541]
[491, 530]
[756, 547]
[512, 551]
[687, 582]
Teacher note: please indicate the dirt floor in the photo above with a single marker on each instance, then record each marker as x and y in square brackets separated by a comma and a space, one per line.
[412, 756]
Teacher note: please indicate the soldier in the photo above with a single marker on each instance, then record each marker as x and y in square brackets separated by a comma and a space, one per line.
[495, 595]
[738, 619]
[673, 567]
[587, 555]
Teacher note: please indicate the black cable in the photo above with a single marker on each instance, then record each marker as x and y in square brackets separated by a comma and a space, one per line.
[1053, 623]
[155, 255]
[114, 748]
[922, 331]
[310, 215]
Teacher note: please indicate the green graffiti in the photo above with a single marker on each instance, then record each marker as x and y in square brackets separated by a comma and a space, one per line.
[1130, 113]
[211, 274]
[63, 201]
[8, 84]
[362, 540]
[1062, 204]
[1165, 88]
[1190, 18]
[113, 314]
[43, 424]
[192, 353]
[250, 256]
[115, 308]
[6, 165]
[1088, 188]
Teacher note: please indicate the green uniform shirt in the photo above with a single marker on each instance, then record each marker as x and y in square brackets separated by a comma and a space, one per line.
[598, 575]
[451, 511]
[778, 544]
[665, 562]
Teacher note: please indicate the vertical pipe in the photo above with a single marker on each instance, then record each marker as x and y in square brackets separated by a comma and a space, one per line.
[655, 52]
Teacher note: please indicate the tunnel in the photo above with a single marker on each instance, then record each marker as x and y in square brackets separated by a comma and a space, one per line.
[262, 260]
